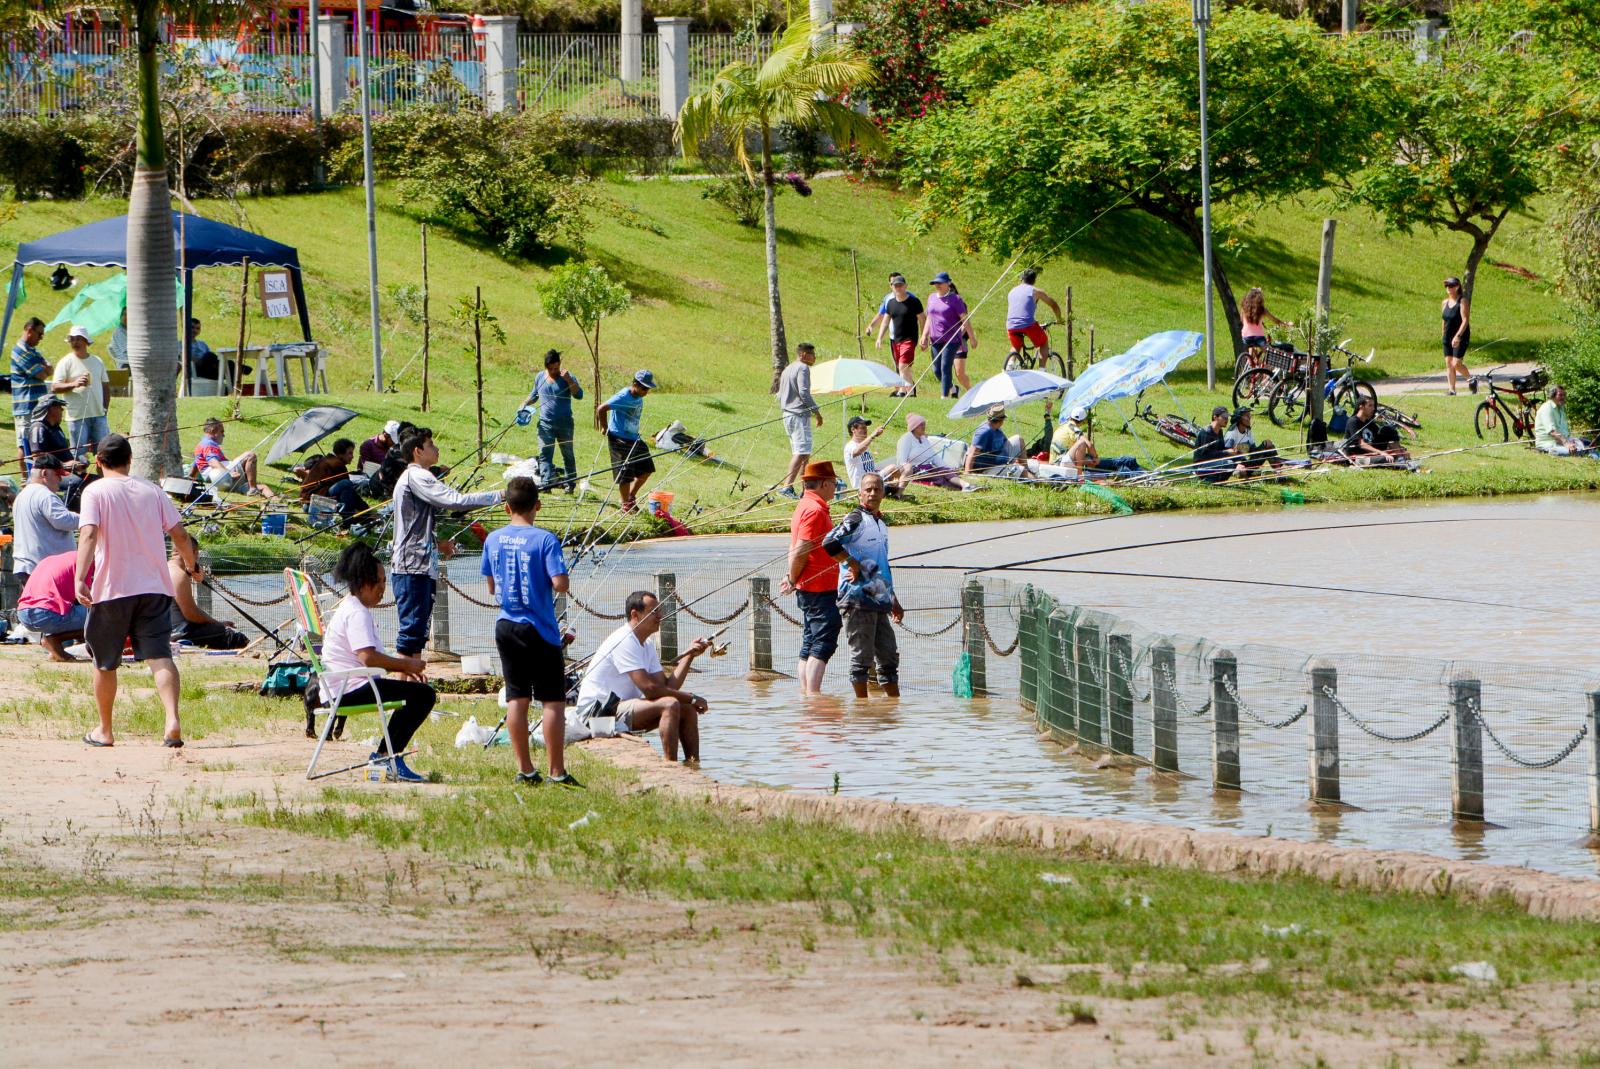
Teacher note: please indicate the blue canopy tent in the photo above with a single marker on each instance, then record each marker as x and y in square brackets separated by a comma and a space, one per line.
[198, 242]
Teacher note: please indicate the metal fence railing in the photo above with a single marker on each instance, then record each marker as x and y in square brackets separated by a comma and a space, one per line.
[582, 74]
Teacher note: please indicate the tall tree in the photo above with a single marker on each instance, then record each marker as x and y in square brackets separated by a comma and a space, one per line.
[1477, 135]
[1058, 117]
[799, 84]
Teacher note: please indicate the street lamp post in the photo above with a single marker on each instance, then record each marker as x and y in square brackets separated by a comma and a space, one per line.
[1202, 19]
[372, 213]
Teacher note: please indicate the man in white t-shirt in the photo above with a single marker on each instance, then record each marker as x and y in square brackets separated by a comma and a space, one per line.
[86, 404]
[627, 665]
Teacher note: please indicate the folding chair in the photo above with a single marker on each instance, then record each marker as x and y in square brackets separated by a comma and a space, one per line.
[308, 624]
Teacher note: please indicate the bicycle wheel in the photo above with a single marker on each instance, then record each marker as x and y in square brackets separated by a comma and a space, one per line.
[1253, 388]
[1489, 421]
[1287, 405]
[1054, 365]
[1394, 415]
[1524, 424]
[1013, 361]
[1351, 395]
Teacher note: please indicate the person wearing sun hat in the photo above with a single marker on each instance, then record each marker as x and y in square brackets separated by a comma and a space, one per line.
[813, 576]
[620, 417]
[87, 392]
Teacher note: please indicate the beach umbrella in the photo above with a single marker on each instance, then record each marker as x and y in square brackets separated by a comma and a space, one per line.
[1129, 373]
[1009, 388]
[850, 377]
[309, 428]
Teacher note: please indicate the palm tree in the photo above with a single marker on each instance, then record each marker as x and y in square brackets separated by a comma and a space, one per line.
[799, 84]
[153, 339]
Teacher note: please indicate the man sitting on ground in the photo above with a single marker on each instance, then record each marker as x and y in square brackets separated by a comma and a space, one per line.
[1083, 457]
[627, 667]
[1551, 432]
[330, 477]
[858, 460]
[1214, 460]
[49, 604]
[1243, 443]
[1370, 441]
[212, 465]
[191, 623]
[990, 451]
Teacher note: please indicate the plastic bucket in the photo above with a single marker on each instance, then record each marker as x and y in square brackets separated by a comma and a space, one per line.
[660, 502]
[475, 664]
[274, 523]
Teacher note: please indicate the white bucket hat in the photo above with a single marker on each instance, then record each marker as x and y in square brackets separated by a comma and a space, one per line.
[80, 332]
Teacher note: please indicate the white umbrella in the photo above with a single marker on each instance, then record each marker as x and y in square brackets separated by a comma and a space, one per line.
[1009, 388]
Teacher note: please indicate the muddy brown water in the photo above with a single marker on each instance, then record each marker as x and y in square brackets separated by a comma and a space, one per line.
[1535, 651]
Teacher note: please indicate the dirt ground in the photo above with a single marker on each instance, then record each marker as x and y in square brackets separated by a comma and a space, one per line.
[426, 964]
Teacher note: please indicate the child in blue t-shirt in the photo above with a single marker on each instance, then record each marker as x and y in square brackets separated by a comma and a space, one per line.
[526, 570]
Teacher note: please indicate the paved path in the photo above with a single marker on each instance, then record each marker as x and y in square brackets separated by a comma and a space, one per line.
[1436, 383]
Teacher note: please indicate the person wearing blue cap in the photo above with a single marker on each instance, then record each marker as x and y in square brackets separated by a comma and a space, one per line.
[630, 456]
[947, 331]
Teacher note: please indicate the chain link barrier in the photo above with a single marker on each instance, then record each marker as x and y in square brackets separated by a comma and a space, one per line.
[260, 603]
[1244, 707]
[715, 621]
[597, 614]
[1516, 759]
[1127, 670]
[476, 601]
[1374, 732]
[1177, 696]
[781, 611]
[931, 634]
[988, 638]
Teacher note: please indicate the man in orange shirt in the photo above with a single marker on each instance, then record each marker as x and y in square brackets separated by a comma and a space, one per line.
[813, 575]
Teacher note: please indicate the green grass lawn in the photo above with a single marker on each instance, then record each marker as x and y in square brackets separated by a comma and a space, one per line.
[699, 322]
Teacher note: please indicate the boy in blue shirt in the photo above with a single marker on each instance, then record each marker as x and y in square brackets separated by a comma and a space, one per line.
[630, 455]
[526, 570]
[554, 390]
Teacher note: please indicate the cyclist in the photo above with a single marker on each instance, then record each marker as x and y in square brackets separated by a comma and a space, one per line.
[1020, 321]
[1253, 312]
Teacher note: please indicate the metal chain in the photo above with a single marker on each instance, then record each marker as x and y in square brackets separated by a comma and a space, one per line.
[931, 634]
[596, 613]
[258, 602]
[1177, 698]
[1127, 671]
[983, 625]
[481, 604]
[1233, 692]
[1374, 732]
[779, 609]
[1561, 756]
[710, 621]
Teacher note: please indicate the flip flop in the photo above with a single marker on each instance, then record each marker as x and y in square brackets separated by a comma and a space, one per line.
[90, 740]
[175, 744]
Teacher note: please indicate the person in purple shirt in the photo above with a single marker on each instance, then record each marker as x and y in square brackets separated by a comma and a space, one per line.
[948, 332]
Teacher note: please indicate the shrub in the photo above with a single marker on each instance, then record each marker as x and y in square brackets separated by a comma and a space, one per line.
[903, 37]
[1574, 362]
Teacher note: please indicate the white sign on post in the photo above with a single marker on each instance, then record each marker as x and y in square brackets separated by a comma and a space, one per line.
[277, 295]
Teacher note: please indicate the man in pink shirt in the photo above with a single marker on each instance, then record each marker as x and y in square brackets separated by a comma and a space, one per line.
[123, 579]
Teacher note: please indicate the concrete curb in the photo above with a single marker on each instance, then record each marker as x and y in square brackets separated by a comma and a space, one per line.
[1538, 893]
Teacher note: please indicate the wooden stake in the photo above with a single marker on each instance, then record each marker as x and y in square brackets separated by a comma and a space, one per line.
[425, 324]
[1071, 367]
[238, 354]
[477, 345]
[860, 344]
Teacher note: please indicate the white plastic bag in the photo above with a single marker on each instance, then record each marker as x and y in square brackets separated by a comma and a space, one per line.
[473, 734]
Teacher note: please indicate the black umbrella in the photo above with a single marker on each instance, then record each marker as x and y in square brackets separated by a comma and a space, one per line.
[309, 428]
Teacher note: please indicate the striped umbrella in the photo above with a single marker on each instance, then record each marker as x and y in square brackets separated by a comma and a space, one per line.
[1009, 388]
[851, 377]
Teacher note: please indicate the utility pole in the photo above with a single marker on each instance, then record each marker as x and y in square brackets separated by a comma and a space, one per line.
[314, 40]
[1319, 354]
[1202, 19]
[362, 45]
[1350, 16]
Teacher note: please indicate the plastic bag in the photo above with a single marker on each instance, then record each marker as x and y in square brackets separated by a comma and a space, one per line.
[473, 734]
[961, 678]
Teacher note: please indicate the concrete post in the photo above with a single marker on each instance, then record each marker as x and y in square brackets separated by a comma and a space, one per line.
[1028, 654]
[1423, 32]
[1322, 757]
[1119, 669]
[1350, 16]
[1056, 674]
[1091, 688]
[1164, 703]
[760, 624]
[330, 61]
[672, 64]
[1594, 765]
[630, 63]
[500, 62]
[821, 21]
[439, 629]
[1466, 756]
[972, 625]
[667, 596]
[1224, 722]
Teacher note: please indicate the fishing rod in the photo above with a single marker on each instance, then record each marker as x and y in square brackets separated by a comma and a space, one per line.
[1024, 564]
[268, 632]
[1284, 585]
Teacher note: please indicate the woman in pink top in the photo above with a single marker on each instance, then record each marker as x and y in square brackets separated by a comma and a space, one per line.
[1253, 310]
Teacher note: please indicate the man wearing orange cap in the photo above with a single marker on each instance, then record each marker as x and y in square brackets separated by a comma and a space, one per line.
[813, 575]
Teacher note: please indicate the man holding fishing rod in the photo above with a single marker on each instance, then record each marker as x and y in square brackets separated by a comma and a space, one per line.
[419, 497]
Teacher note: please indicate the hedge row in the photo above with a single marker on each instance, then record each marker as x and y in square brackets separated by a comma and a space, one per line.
[72, 156]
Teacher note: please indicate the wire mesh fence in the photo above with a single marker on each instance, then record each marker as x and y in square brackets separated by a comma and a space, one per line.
[589, 73]
[1513, 746]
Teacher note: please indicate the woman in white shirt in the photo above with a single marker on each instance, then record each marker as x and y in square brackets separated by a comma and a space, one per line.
[923, 459]
[350, 640]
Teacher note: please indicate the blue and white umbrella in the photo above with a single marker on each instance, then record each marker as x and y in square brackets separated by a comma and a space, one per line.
[1009, 388]
[1126, 374]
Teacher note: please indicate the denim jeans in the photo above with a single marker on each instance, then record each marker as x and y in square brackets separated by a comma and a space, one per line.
[46, 622]
[86, 433]
[413, 603]
[944, 364]
[819, 614]
[550, 436]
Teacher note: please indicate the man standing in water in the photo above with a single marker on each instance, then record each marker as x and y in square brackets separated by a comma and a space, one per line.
[866, 589]
[813, 576]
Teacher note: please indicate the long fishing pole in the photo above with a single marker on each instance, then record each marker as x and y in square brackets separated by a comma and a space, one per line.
[268, 632]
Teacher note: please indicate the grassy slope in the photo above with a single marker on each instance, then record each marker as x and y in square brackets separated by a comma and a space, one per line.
[700, 324]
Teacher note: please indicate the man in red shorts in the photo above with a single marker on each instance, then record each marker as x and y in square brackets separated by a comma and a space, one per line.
[1020, 322]
[903, 318]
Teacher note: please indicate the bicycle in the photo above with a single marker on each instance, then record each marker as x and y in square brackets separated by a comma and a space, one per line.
[1495, 414]
[1175, 429]
[1261, 371]
[1026, 358]
[1344, 391]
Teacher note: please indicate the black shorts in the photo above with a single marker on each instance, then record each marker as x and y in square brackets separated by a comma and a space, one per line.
[533, 667]
[1458, 350]
[630, 458]
[145, 618]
